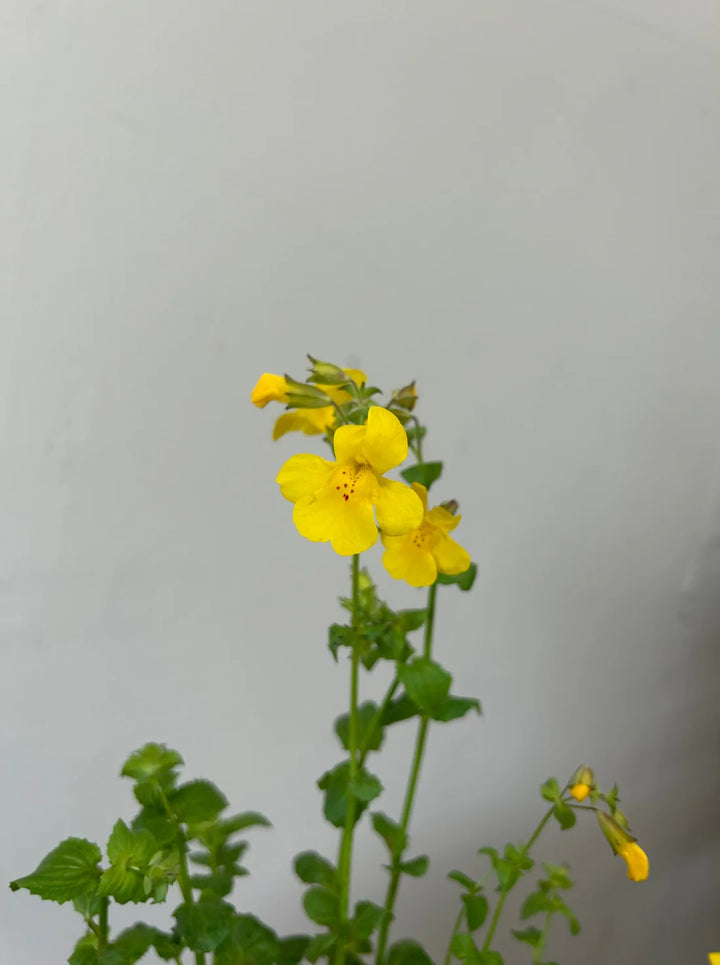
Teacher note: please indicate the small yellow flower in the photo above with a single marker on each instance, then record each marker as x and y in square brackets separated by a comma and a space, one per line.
[637, 862]
[580, 791]
[334, 500]
[419, 555]
[312, 422]
[714, 958]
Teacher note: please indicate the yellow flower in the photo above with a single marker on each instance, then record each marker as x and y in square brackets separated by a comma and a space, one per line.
[637, 862]
[313, 422]
[419, 555]
[334, 500]
[714, 958]
[580, 791]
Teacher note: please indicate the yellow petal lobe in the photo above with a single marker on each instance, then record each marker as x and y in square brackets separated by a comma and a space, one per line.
[312, 422]
[386, 444]
[580, 791]
[269, 388]
[638, 866]
[450, 557]
[398, 508]
[304, 475]
[405, 562]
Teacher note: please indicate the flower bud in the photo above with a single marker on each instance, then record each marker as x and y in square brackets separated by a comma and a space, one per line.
[301, 395]
[626, 846]
[450, 506]
[269, 388]
[325, 373]
[404, 398]
[582, 783]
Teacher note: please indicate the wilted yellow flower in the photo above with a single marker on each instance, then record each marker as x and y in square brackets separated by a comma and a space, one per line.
[312, 422]
[638, 866]
[420, 554]
[334, 500]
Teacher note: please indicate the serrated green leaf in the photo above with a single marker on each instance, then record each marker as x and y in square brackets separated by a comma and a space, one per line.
[88, 905]
[452, 708]
[239, 822]
[409, 620]
[476, 909]
[69, 871]
[151, 762]
[313, 869]
[129, 946]
[408, 952]
[462, 879]
[463, 947]
[197, 802]
[130, 847]
[204, 924]
[390, 832]
[156, 822]
[336, 784]
[369, 730]
[85, 951]
[321, 906]
[123, 884]
[426, 682]
[425, 473]
[249, 941]
[564, 816]
[367, 918]
[463, 580]
[416, 867]
[531, 936]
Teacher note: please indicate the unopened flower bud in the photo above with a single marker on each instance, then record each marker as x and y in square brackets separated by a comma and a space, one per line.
[582, 783]
[451, 506]
[404, 398]
[626, 846]
[325, 373]
[269, 388]
[301, 395]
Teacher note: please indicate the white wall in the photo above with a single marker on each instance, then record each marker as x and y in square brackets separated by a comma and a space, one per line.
[515, 203]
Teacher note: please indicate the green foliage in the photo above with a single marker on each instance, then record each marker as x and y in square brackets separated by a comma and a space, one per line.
[408, 953]
[320, 946]
[476, 909]
[391, 833]
[248, 940]
[463, 580]
[367, 919]
[321, 905]
[547, 900]
[416, 867]
[564, 815]
[401, 708]
[426, 683]
[69, 871]
[204, 924]
[85, 951]
[425, 473]
[463, 947]
[291, 950]
[338, 790]
[197, 802]
[370, 733]
[508, 868]
[152, 762]
[452, 708]
[313, 869]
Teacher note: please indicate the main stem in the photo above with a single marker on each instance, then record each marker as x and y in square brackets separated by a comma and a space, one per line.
[498, 910]
[103, 924]
[420, 740]
[346, 843]
[184, 874]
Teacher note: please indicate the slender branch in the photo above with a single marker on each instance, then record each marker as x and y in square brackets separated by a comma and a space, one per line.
[456, 929]
[540, 947]
[346, 842]
[377, 717]
[184, 874]
[104, 930]
[420, 740]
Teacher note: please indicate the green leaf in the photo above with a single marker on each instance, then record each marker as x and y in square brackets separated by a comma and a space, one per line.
[336, 784]
[367, 918]
[130, 847]
[291, 949]
[453, 708]
[409, 620]
[320, 947]
[204, 924]
[340, 635]
[573, 923]
[313, 869]
[531, 936]
[197, 802]
[88, 905]
[123, 884]
[408, 952]
[564, 815]
[426, 682]
[476, 909]
[463, 580]
[248, 819]
[366, 787]
[249, 941]
[321, 905]
[67, 872]
[424, 473]
[156, 822]
[130, 945]
[550, 790]
[535, 904]
[85, 951]
[463, 947]
[369, 732]
[166, 946]
[402, 708]
[390, 832]
[462, 879]
[489, 958]
[151, 762]
[416, 867]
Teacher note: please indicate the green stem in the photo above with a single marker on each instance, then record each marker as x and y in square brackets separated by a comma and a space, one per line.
[420, 740]
[104, 930]
[346, 843]
[456, 929]
[377, 717]
[184, 874]
[539, 949]
[498, 910]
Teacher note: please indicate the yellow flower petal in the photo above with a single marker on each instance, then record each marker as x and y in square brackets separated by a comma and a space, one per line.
[450, 557]
[386, 444]
[580, 791]
[269, 388]
[348, 443]
[304, 475]
[341, 512]
[422, 493]
[714, 958]
[443, 519]
[312, 422]
[398, 508]
[404, 561]
[638, 866]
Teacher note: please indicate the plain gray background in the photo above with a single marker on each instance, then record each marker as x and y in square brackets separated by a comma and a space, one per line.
[514, 203]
